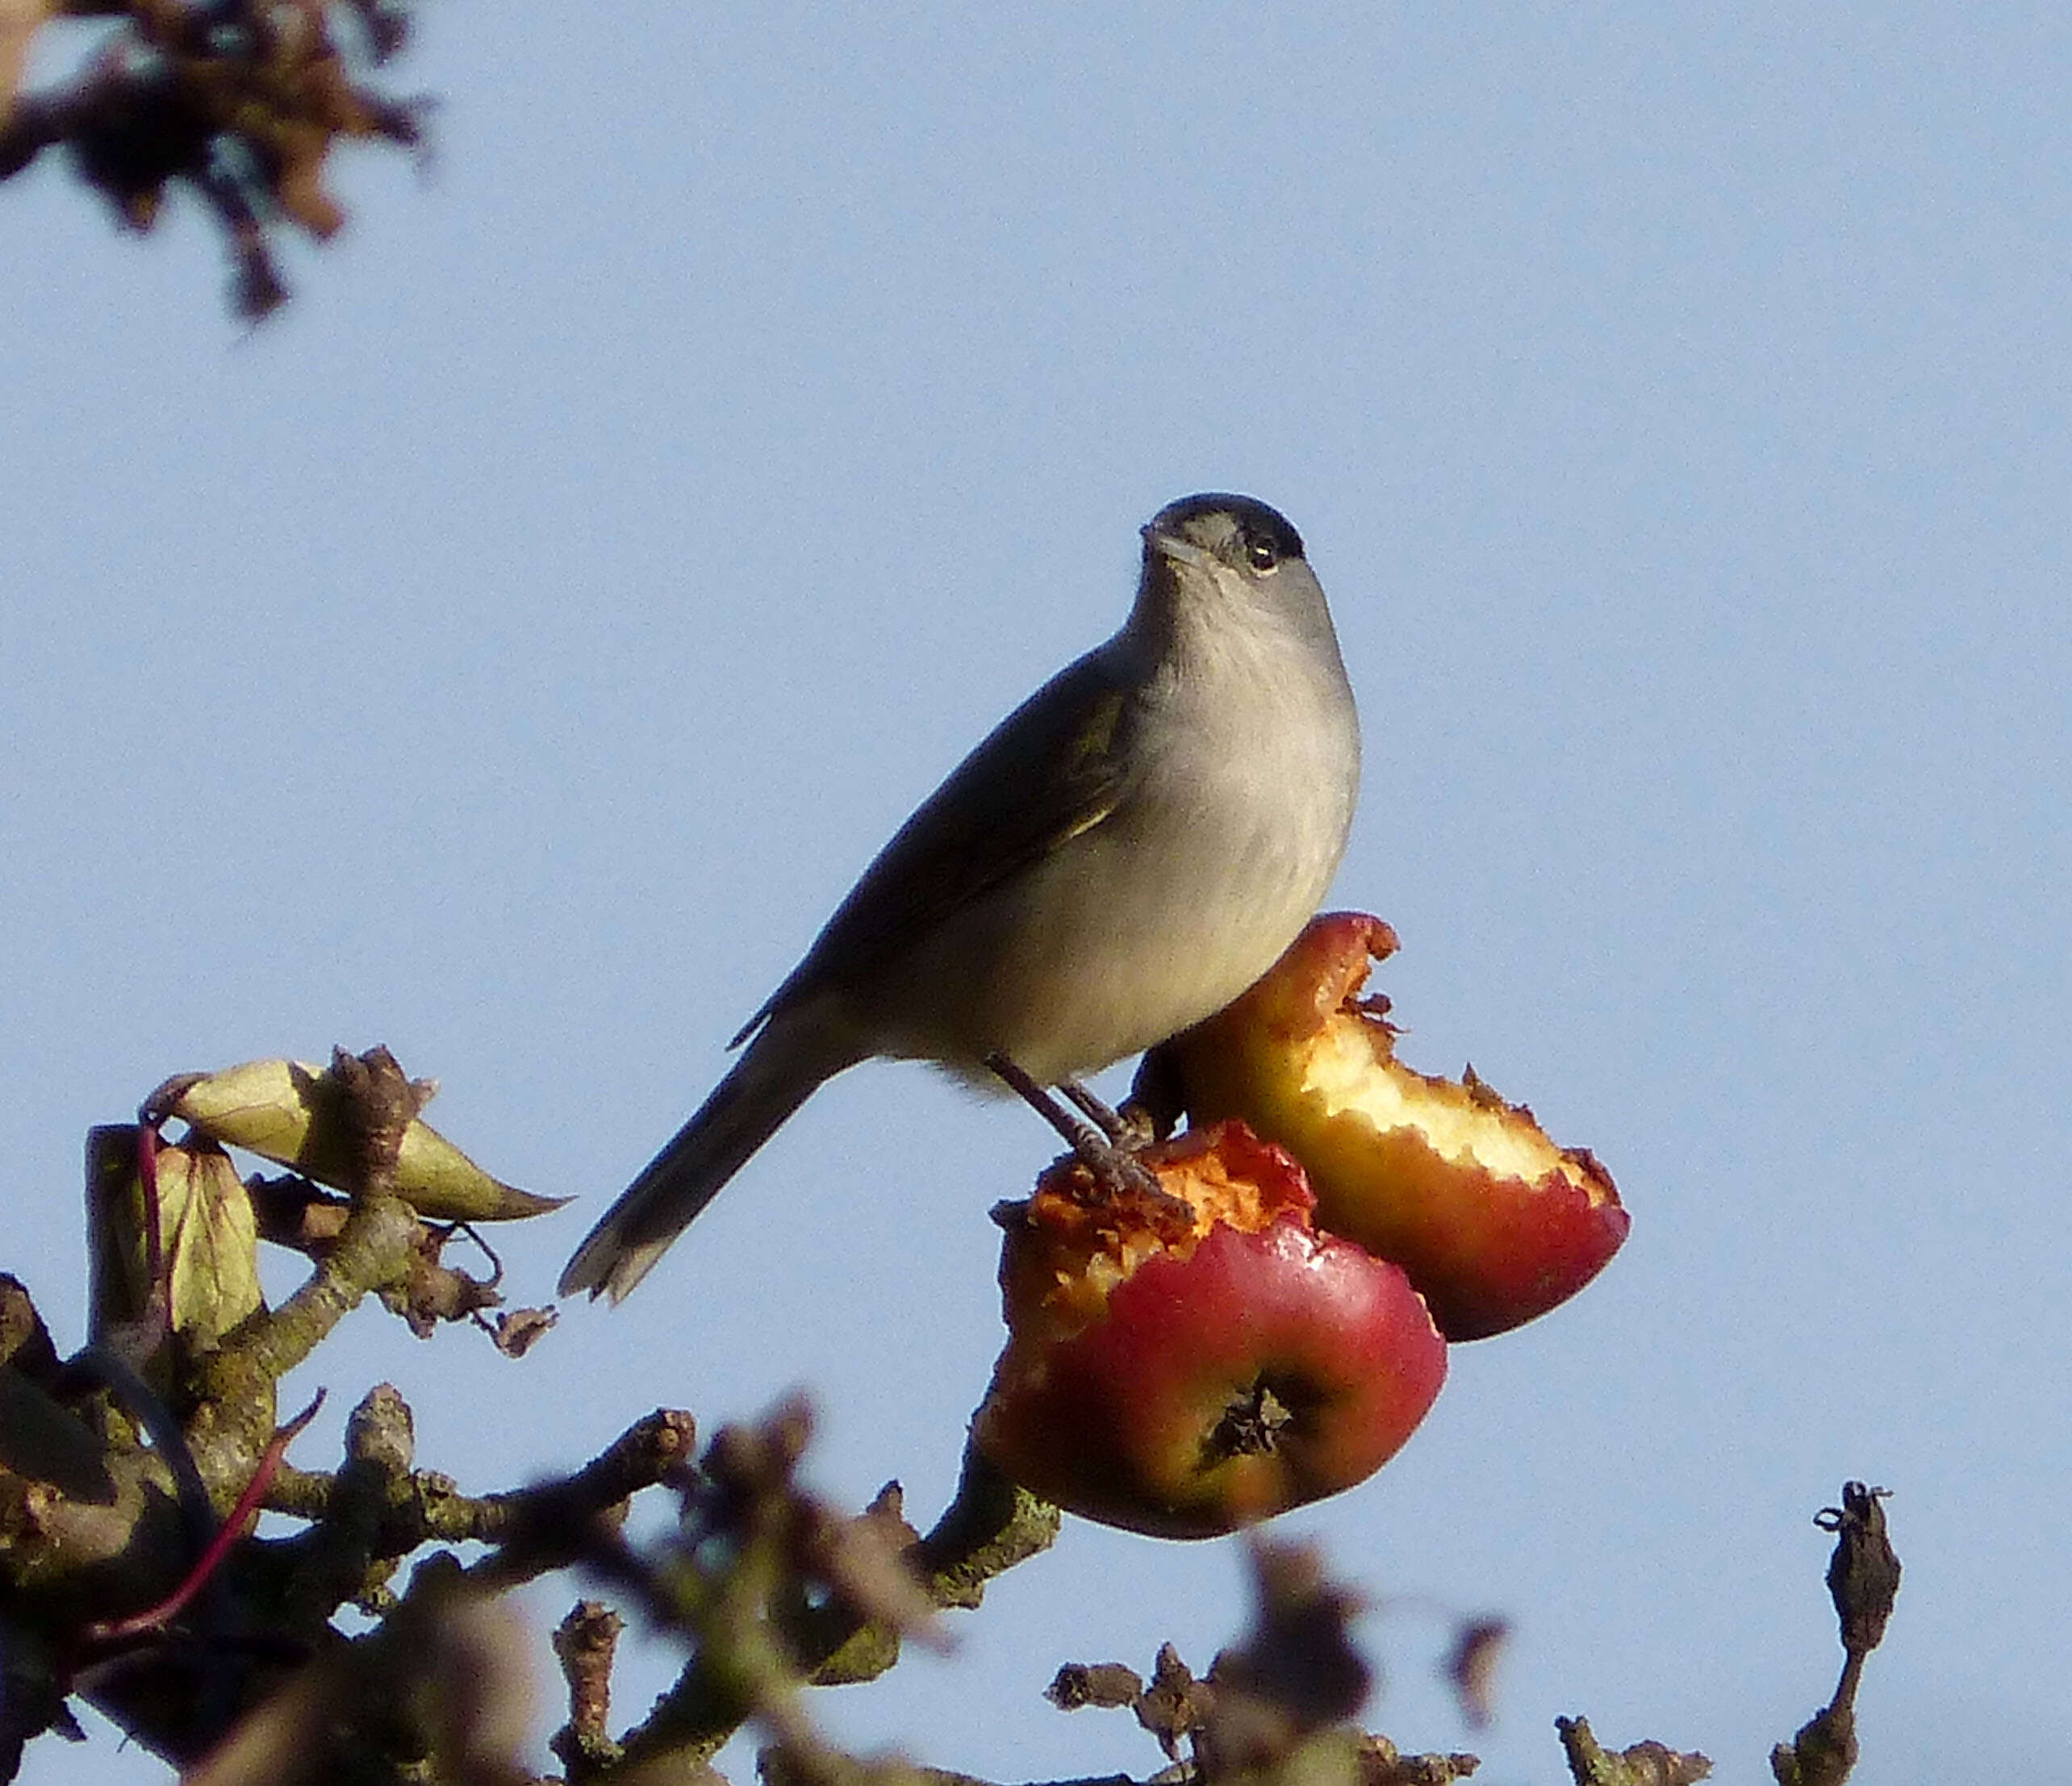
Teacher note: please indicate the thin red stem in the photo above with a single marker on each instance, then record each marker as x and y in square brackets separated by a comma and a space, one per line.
[153, 1618]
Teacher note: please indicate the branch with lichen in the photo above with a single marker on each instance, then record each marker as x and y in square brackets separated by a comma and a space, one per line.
[131, 1474]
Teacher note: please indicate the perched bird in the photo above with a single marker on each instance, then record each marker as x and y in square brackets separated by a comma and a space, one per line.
[1130, 849]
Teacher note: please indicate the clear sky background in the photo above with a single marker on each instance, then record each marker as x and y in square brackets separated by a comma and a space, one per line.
[512, 651]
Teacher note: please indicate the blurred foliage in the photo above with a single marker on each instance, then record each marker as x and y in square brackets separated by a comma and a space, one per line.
[241, 101]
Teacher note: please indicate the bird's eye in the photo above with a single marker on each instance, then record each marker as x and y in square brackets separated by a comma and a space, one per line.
[1261, 554]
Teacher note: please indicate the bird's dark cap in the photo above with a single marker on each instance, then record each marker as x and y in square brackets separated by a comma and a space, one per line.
[1254, 518]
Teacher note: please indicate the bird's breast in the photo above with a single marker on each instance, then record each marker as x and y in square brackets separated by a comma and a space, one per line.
[1223, 846]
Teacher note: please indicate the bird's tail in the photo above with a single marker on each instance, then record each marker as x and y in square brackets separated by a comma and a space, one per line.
[784, 1066]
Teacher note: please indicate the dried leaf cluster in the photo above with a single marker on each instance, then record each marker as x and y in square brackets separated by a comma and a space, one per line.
[241, 101]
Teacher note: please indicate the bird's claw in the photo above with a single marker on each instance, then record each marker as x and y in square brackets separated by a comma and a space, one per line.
[1123, 1176]
[1110, 1151]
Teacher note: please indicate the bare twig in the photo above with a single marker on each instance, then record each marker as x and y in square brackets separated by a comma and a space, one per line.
[585, 1643]
[1648, 1764]
[1863, 1578]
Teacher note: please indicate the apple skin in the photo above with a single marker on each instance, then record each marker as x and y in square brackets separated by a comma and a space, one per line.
[1494, 1222]
[1185, 1385]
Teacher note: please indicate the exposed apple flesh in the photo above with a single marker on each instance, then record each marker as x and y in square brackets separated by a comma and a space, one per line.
[1494, 1223]
[1187, 1370]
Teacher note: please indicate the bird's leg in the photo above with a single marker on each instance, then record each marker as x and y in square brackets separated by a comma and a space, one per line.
[1129, 1127]
[1115, 1164]
[1079, 1136]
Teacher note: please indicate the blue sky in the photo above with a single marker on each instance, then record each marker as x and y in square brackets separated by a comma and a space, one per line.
[512, 651]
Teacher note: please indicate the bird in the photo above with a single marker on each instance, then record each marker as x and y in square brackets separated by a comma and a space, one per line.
[1128, 850]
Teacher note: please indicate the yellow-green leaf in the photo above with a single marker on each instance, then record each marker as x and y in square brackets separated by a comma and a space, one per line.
[207, 1237]
[293, 1112]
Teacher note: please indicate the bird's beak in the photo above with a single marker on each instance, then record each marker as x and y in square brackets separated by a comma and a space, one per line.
[1172, 547]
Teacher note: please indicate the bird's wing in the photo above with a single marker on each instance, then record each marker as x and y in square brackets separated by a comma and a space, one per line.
[1050, 770]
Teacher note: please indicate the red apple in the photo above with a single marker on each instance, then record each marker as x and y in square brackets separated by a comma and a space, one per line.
[1494, 1222]
[1187, 1369]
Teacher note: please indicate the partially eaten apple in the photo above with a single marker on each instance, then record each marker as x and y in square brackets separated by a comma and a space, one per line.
[1187, 1367]
[1494, 1223]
